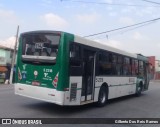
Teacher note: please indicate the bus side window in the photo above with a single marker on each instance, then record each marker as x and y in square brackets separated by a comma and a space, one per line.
[136, 66]
[114, 64]
[127, 66]
[75, 60]
[119, 66]
[75, 55]
[114, 58]
[74, 51]
[104, 63]
[133, 67]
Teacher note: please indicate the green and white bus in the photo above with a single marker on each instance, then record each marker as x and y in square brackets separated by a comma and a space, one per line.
[66, 69]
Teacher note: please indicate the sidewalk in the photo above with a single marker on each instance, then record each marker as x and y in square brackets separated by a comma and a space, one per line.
[6, 85]
[154, 80]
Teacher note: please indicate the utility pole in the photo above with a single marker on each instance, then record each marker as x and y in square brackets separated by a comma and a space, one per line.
[14, 56]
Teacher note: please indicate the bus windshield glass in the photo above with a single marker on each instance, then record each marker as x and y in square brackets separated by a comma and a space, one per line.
[40, 47]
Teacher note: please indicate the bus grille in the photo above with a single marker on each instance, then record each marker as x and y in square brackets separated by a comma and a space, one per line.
[73, 92]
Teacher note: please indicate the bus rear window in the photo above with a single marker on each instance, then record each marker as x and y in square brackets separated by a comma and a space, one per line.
[40, 47]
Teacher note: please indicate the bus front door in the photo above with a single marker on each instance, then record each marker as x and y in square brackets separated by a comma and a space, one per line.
[146, 76]
[88, 75]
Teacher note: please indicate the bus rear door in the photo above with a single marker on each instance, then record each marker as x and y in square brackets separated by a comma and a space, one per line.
[88, 75]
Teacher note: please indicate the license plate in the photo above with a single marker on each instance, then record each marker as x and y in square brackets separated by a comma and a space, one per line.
[35, 83]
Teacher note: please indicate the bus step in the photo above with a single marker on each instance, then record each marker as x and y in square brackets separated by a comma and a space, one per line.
[86, 102]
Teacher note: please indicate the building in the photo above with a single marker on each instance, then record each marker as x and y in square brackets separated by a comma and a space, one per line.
[154, 68]
[151, 60]
[5, 63]
[157, 69]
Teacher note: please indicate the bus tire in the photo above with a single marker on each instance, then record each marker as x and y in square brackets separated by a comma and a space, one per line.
[103, 96]
[139, 90]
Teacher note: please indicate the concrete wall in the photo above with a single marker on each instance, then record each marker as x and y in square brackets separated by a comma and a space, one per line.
[157, 70]
[152, 66]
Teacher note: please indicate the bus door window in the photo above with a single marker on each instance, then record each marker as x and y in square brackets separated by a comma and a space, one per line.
[141, 68]
[89, 63]
[88, 73]
[146, 72]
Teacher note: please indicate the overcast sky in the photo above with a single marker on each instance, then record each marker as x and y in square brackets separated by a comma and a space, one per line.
[85, 19]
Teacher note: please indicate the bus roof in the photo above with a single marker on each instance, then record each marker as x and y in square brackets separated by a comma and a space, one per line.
[141, 57]
[88, 42]
[99, 45]
[42, 31]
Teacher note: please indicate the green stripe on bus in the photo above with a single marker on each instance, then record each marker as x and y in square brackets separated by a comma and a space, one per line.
[116, 85]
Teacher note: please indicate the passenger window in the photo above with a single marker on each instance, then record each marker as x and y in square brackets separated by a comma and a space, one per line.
[120, 60]
[127, 66]
[74, 51]
[114, 58]
[103, 57]
[75, 55]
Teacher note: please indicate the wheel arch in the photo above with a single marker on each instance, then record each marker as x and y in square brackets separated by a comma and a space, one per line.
[103, 95]
[139, 88]
[106, 86]
[140, 84]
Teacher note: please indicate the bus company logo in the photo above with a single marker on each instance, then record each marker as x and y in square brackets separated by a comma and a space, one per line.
[6, 121]
[35, 74]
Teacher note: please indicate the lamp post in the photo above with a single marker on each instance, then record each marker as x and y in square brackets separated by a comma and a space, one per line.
[14, 56]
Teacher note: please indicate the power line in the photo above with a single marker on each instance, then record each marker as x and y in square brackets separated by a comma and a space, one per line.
[123, 27]
[137, 27]
[151, 2]
[105, 3]
[122, 32]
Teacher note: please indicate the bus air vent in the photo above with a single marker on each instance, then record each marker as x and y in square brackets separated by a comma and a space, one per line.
[73, 91]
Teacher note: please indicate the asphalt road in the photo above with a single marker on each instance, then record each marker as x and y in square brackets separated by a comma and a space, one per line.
[145, 106]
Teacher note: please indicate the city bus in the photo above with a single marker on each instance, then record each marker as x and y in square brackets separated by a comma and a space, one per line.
[66, 69]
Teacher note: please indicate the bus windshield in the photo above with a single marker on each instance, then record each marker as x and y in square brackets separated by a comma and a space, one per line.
[40, 47]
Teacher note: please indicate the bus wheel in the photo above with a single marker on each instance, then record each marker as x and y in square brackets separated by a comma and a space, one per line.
[103, 97]
[139, 90]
